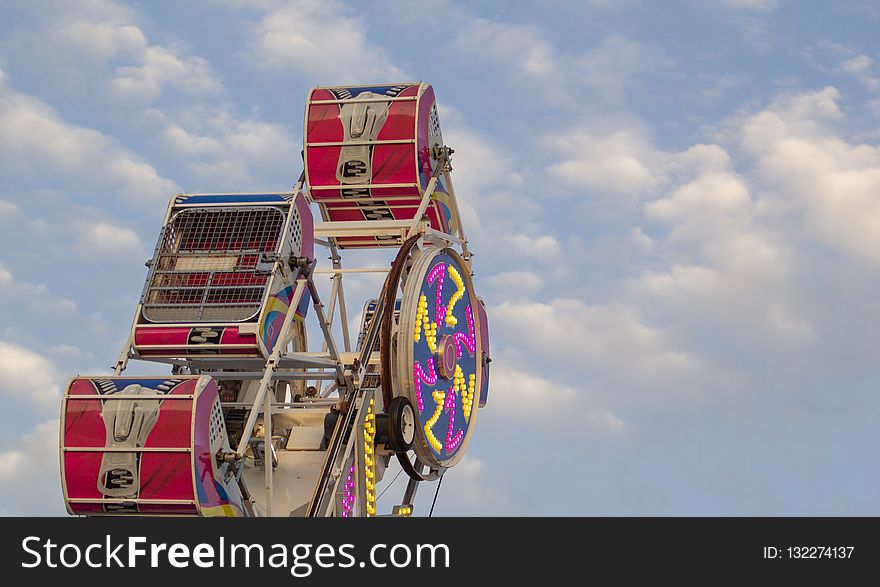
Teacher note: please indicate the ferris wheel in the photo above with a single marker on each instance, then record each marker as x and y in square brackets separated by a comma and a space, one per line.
[252, 421]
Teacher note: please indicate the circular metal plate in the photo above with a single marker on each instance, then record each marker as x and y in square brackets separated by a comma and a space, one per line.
[439, 354]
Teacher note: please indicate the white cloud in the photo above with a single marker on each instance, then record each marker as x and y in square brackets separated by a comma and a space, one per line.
[70, 351]
[755, 5]
[221, 149]
[104, 49]
[844, 60]
[105, 239]
[614, 164]
[17, 296]
[543, 246]
[608, 5]
[543, 402]
[749, 296]
[519, 47]
[55, 229]
[723, 256]
[514, 283]
[521, 392]
[613, 65]
[321, 39]
[26, 375]
[29, 474]
[10, 462]
[105, 56]
[487, 178]
[479, 163]
[621, 163]
[641, 240]
[833, 183]
[8, 209]
[203, 137]
[713, 201]
[35, 142]
[723, 245]
[857, 65]
[602, 338]
[472, 488]
[99, 41]
[160, 67]
[109, 10]
[523, 52]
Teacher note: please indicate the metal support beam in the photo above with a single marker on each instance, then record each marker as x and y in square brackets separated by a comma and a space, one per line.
[354, 270]
[279, 375]
[409, 495]
[331, 309]
[343, 311]
[423, 207]
[369, 228]
[464, 242]
[328, 335]
[268, 373]
[268, 449]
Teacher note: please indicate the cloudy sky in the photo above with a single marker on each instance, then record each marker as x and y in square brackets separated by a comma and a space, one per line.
[675, 208]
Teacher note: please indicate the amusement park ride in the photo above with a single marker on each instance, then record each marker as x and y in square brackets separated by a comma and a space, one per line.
[251, 421]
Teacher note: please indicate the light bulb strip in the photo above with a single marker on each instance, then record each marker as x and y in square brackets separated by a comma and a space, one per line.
[467, 400]
[369, 459]
[452, 439]
[437, 274]
[423, 323]
[348, 494]
[459, 282]
[421, 314]
[469, 340]
[439, 397]
[420, 376]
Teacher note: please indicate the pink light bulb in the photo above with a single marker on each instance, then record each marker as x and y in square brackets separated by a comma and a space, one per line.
[437, 274]
[452, 442]
[419, 376]
[469, 340]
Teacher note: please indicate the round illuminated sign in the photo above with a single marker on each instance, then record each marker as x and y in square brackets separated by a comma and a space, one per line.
[439, 354]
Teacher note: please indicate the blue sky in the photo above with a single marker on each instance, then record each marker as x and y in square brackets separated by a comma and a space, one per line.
[675, 208]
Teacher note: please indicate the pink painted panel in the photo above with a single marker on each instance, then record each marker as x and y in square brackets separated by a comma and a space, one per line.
[395, 163]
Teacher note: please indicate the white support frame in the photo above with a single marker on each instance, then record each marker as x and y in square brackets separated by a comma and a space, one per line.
[330, 364]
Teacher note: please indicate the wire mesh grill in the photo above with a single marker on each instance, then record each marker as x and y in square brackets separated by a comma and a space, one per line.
[212, 265]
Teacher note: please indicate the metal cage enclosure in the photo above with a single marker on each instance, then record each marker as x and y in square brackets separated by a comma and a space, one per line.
[213, 265]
